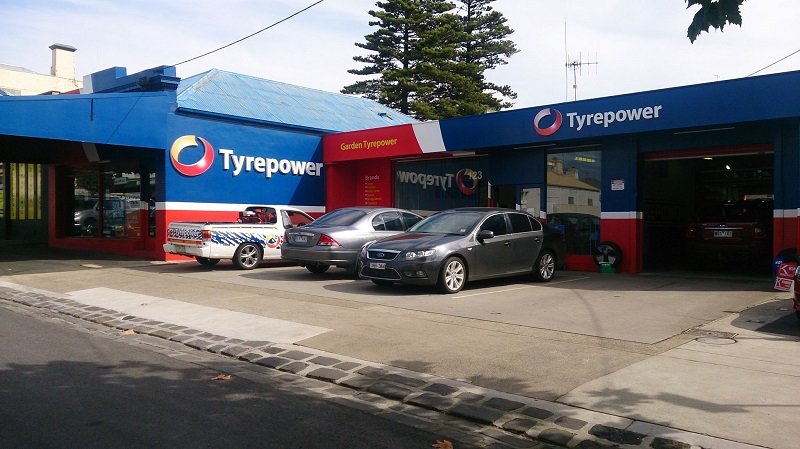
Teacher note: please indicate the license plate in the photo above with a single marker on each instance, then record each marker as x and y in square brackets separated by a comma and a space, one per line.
[179, 248]
[300, 239]
[378, 265]
[723, 234]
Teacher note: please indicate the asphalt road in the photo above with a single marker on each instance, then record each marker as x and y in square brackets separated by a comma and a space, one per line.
[64, 387]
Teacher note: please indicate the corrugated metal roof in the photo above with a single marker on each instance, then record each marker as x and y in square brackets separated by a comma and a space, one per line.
[16, 69]
[236, 95]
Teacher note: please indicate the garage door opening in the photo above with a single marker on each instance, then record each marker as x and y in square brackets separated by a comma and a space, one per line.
[709, 213]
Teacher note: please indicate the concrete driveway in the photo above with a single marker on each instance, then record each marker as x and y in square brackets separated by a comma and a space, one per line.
[635, 308]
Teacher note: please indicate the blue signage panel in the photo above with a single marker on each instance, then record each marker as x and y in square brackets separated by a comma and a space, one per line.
[213, 161]
[725, 102]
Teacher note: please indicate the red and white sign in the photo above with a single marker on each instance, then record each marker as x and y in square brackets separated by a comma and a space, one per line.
[785, 278]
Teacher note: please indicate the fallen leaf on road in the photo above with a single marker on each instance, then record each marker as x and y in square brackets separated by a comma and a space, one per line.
[128, 332]
[442, 444]
[222, 377]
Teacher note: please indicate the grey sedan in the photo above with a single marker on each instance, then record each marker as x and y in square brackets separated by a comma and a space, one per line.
[459, 245]
[336, 238]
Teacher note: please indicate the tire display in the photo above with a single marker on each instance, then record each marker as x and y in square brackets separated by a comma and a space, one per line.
[608, 253]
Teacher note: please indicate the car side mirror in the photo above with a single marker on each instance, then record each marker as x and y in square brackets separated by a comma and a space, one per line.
[485, 234]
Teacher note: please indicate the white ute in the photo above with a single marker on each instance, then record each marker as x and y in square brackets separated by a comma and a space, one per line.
[257, 236]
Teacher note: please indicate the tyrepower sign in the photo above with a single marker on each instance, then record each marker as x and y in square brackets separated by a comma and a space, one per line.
[548, 121]
[235, 163]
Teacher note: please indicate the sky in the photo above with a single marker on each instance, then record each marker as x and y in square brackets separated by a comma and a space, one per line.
[637, 45]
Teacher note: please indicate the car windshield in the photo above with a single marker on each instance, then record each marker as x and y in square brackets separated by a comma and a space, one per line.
[340, 217]
[453, 222]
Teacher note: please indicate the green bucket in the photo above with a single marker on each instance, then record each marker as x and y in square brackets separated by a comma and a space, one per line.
[607, 268]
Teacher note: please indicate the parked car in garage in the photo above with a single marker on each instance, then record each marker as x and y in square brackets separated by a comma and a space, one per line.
[336, 238]
[455, 246]
[120, 216]
[732, 230]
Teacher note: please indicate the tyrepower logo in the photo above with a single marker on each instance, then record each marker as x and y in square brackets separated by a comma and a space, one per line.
[545, 126]
[466, 180]
[235, 163]
[196, 168]
[550, 130]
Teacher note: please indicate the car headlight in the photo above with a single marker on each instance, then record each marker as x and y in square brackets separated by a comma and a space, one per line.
[410, 255]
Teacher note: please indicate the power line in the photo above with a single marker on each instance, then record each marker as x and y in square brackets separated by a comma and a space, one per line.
[779, 60]
[253, 34]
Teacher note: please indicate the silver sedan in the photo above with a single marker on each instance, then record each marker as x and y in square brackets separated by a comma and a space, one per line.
[336, 238]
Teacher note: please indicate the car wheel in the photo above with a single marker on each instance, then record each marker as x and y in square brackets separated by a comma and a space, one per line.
[247, 256]
[453, 276]
[207, 261]
[545, 266]
[90, 227]
[356, 271]
[317, 269]
[382, 282]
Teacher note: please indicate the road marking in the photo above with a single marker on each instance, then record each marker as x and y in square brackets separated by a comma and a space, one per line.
[520, 288]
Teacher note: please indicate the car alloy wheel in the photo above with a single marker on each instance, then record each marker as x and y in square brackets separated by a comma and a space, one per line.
[545, 266]
[247, 256]
[453, 276]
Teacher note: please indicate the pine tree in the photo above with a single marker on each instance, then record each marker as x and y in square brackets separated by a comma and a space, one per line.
[404, 49]
[486, 46]
[429, 62]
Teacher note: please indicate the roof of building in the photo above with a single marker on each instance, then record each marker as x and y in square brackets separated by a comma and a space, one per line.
[15, 68]
[568, 181]
[240, 96]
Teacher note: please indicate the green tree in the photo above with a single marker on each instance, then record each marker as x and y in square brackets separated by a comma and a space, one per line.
[406, 48]
[429, 62]
[713, 13]
[485, 46]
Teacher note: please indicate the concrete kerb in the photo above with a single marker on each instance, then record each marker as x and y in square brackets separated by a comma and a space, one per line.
[511, 420]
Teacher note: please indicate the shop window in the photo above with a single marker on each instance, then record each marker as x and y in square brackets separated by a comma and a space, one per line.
[573, 198]
[105, 203]
[24, 192]
[428, 186]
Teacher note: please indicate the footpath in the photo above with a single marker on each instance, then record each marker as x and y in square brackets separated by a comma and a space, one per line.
[502, 420]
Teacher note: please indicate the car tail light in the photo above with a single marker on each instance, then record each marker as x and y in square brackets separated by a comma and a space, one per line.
[325, 240]
[690, 234]
[206, 234]
[759, 233]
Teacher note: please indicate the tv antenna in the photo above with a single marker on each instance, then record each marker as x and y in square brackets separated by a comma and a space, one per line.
[576, 65]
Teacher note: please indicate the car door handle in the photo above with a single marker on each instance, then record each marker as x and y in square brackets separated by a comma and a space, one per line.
[507, 243]
[537, 239]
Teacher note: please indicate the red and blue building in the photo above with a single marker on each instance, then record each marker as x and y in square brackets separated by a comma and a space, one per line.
[138, 151]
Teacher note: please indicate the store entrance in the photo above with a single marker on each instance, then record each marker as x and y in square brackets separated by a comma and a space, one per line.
[709, 213]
